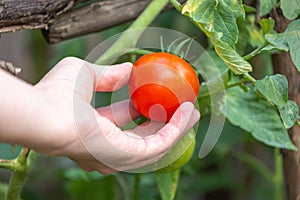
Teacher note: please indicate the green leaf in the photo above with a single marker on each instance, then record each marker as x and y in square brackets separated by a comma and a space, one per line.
[276, 43]
[290, 8]
[267, 25]
[255, 115]
[217, 19]
[231, 58]
[289, 114]
[237, 7]
[290, 39]
[293, 40]
[167, 184]
[209, 65]
[275, 88]
[265, 6]
[249, 9]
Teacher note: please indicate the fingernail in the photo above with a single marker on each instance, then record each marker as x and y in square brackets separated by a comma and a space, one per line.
[127, 63]
[188, 106]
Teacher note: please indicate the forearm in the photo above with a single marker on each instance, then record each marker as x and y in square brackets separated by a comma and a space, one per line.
[21, 110]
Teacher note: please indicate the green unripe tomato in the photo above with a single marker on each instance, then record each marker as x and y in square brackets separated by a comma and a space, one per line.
[188, 139]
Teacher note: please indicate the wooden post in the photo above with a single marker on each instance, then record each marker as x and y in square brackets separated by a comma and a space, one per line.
[283, 64]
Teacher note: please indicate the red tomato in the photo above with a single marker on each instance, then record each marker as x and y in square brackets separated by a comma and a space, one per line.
[159, 83]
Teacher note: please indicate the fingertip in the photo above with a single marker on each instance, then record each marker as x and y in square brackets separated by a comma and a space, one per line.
[183, 111]
[187, 105]
[126, 64]
[196, 114]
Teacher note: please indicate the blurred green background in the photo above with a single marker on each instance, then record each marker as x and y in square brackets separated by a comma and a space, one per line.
[225, 173]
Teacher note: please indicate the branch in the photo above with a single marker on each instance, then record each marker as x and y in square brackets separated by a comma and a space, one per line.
[30, 14]
[65, 19]
[7, 164]
[93, 18]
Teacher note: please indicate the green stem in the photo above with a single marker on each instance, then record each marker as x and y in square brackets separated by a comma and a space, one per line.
[176, 5]
[255, 163]
[136, 187]
[139, 51]
[278, 176]
[22, 166]
[128, 38]
[298, 122]
[255, 52]
[207, 93]
[123, 186]
[249, 78]
[7, 164]
[235, 84]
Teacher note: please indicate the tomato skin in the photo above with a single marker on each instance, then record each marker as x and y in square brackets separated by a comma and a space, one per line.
[164, 80]
[188, 144]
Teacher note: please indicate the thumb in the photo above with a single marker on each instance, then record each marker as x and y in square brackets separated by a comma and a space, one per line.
[110, 78]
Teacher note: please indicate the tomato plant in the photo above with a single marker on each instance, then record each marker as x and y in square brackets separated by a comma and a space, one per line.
[159, 83]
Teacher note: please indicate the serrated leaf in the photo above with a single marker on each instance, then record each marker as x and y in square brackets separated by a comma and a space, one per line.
[167, 184]
[265, 6]
[290, 8]
[256, 116]
[216, 17]
[231, 58]
[289, 114]
[275, 88]
[217, 20]
[290, 39]
[267, 25]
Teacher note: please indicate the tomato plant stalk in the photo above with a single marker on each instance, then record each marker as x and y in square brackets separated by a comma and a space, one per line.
[128, 39]
[21, 167]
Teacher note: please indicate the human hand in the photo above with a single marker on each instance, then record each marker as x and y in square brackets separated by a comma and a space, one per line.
[93, 137]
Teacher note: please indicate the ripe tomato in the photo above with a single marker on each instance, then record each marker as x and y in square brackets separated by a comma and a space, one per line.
[159, 83]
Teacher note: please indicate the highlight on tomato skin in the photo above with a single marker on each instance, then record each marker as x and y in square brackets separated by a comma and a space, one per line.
[159, 83]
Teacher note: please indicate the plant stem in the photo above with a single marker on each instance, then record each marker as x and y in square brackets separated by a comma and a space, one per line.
[123, 186]
[139, 51]
[255, 163]
[226, 86]
[278, 176]
[22, 166]
[176, 5]
[136, 187]
[236, 83]
[255, 52]
[249, 78]
[128, 38]
[298, 122]
[7, 164]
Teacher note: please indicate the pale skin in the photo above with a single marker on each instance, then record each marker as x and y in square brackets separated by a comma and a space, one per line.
[55, 117]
